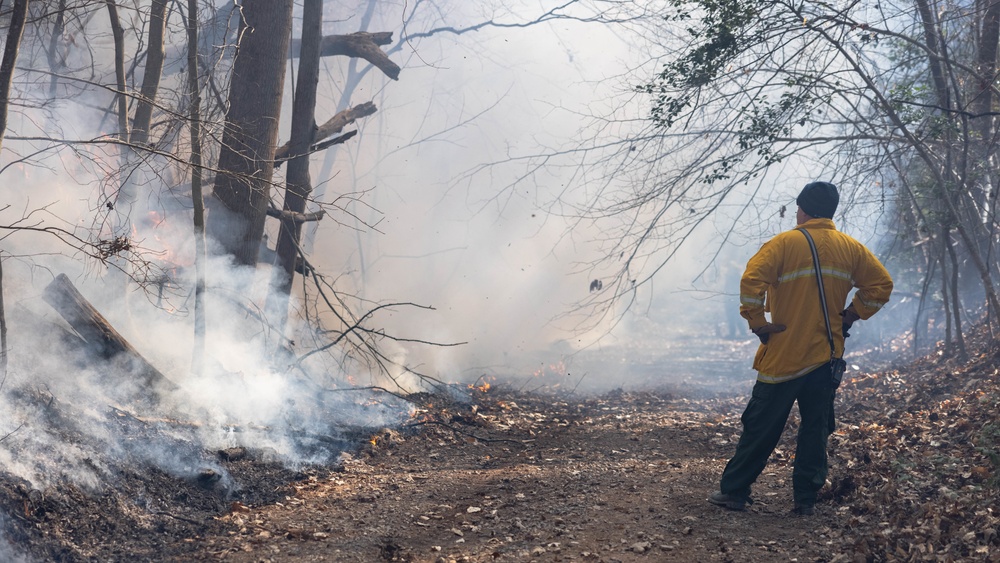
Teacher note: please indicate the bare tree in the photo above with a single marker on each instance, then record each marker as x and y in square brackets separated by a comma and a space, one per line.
[152, 73]
[12, 45]
[197, 197]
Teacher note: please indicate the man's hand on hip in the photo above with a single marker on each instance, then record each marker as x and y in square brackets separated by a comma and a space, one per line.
[765, 332]
[849, 315]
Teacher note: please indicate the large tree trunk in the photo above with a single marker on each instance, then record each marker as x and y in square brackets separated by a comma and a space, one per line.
[11, 48]
[246, 164]
[151, 74]
[298, 184]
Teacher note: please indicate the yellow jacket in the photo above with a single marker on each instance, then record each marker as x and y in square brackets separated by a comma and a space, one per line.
[782, 271]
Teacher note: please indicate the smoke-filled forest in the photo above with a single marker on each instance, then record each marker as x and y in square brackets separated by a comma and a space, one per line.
[297, 280]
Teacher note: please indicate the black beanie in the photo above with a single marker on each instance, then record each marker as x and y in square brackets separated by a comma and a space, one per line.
[819, 199]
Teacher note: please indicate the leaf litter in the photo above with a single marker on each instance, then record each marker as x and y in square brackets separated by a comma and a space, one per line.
[551, 475]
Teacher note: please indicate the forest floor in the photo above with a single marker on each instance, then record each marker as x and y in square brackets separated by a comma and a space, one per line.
[555, 475]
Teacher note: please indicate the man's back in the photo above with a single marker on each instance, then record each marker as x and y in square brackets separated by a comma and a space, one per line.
[783, 271]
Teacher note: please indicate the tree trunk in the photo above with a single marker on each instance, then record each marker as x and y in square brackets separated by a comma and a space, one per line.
[986, 67]
[119, 37]
[931, 38]
[945, 294]
[298, 184]
[11, 48]
[956, 304]
[151, 74]
[3, 331]
[351, 82]
[246, 165]
[56, 62]
[18, 16]
[125, 196]
[197, 198]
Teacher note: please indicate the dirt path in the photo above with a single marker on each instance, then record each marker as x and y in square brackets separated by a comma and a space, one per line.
[621, 478]
[517, 476]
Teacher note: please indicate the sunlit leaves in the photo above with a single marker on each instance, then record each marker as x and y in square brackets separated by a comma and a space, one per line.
[719, 31]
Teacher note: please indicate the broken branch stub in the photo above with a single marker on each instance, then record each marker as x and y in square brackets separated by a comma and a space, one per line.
[362, 45]
[332, 126]
[293, 216]
[102, 340]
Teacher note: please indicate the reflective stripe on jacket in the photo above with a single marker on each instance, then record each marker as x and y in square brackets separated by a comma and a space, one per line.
[781, 276]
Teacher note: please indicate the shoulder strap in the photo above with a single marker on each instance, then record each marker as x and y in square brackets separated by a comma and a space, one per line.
[822, 293]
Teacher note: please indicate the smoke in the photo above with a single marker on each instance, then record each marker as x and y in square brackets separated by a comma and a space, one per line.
[440, 205]
[493, 270]
[464, 222]
[8, 553]
[72, 415]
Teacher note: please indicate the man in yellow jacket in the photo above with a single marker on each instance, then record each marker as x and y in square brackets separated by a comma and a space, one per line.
[793, 360]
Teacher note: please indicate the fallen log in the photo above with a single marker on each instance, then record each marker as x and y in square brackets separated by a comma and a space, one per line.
[100, 338]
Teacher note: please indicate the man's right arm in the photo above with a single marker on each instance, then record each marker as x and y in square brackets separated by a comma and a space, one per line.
[874, 285]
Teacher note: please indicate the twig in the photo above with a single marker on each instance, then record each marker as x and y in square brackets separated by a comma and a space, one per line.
[11, 433]
[457, 431]
[176, 517]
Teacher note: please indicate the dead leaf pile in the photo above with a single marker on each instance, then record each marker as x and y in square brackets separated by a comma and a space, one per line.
[916, 460]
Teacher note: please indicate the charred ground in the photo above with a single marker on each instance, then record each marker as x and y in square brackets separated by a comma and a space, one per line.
[555, 476]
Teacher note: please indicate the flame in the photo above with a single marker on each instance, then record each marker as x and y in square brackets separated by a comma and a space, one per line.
[558, 368]
[483, 387]
[157, 226]
[154, 219]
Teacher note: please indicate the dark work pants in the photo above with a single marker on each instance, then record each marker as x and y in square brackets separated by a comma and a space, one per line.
[764, 420]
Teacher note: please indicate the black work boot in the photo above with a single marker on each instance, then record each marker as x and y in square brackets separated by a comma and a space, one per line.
[803, 509]
[732, 502]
